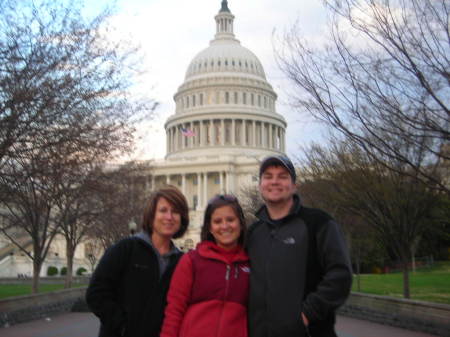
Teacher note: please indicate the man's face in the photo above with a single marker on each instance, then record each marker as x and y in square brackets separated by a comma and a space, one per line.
[276, 185]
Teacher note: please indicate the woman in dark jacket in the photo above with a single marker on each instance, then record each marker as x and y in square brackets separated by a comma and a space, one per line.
[129, 286]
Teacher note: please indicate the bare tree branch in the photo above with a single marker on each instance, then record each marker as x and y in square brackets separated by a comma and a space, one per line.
[381, 80]
[65, 104]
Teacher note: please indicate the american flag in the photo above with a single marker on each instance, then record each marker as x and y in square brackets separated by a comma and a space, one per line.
[187, 132]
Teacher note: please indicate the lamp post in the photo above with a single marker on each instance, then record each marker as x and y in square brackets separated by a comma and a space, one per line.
[132, 226]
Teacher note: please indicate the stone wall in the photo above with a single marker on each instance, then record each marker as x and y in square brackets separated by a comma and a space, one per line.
[421, 316]
[19, 309]
[427, 317]
[44, 280]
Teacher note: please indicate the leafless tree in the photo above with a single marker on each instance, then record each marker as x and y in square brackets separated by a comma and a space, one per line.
[397, 207]
[28, 201]
[319, 191]
[91, 195]
[76, 210]
[65, 103]
[64, 79]
[250, 200]
[381, 80]
[120, 195]
[94, 249]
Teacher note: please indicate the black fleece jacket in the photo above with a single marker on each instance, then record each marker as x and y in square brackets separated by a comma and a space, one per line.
[294, 272]
[126, 291]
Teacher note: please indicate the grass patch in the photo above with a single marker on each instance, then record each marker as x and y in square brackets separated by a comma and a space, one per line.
[426, 284]
[10, 290]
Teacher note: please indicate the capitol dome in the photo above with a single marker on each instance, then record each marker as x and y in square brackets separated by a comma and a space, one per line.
[225, 55]
[225, 102]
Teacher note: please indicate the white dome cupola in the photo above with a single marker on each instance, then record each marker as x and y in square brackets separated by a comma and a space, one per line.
[224, 23]
[225, 102]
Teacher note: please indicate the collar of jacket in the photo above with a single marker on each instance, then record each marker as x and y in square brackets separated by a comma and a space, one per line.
[263, 214]
[143, 236]
[211, 250]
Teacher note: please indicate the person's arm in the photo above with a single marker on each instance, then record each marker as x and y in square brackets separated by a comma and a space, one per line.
[103, 290]
[305, 320]
[178, 297]
[335, 286]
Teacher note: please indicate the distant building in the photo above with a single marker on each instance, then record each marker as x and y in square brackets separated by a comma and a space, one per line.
[15, 263]
[225, 122]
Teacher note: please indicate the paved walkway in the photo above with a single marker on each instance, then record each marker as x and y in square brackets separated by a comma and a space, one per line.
[86, 325]
[350, 327]
[64, 325]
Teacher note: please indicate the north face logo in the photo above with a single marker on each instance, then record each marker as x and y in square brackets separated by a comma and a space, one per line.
[289, 241]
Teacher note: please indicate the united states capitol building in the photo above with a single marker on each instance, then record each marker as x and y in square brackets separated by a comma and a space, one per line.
[225, 122]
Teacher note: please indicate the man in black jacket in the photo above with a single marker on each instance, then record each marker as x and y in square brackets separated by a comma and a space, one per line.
[300, 267]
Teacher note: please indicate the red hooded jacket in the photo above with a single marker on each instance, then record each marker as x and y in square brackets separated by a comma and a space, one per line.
[208, 294]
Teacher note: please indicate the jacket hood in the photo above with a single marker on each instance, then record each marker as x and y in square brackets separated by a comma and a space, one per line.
[263, 214]
[143, 236]
[211, 250]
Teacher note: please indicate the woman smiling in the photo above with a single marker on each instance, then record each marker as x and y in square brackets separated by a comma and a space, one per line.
[208, 293]
[129, 286]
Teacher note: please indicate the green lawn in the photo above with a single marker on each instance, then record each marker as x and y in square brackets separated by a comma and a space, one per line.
[9, 290]
[430, 284]
[427, 284]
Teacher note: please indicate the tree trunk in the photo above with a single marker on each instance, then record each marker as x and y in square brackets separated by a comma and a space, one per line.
[406, 293]
[358, 273]
[37, 265]
[70, 252]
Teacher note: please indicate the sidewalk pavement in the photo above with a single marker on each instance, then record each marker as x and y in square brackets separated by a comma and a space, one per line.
[86, 325]
[351, 327]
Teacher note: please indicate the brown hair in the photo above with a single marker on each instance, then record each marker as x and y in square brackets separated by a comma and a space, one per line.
[176, 199]
[216, 202]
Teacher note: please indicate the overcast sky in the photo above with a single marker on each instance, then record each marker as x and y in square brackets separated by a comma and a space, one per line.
[172, 32]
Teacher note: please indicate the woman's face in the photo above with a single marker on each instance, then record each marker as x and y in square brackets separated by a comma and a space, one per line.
[225, 227]
[167, 221]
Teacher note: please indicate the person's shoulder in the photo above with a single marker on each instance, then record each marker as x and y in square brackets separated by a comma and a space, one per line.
[179, 254]
[255, 224]
[250, 232]
[314, 215]
[119, 243]
[188, 257]
[118, 251]
[129, 240]
[125, 243]
[191, 253]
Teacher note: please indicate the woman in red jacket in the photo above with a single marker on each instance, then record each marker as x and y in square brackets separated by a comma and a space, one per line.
[209, 289]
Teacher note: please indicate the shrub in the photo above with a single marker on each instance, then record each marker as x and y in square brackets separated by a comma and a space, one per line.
[63, 271]
[81, 271]
[52, 271]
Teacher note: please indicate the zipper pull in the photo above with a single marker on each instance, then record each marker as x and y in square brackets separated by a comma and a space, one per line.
[227, 274]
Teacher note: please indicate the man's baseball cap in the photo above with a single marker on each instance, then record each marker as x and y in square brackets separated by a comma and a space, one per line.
[278, 160]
